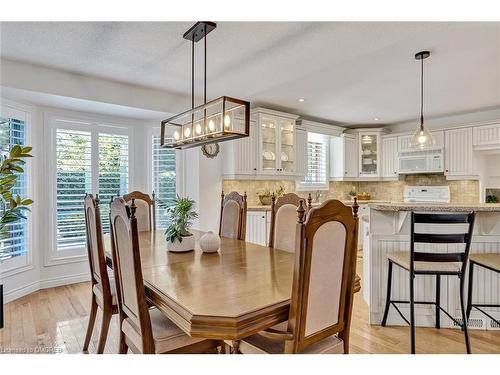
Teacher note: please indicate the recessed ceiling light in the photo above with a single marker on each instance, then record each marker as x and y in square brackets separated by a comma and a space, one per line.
[302, 100]
[376, 119]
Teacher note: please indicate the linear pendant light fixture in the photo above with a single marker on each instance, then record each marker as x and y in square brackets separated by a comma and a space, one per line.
[422, 138]
[218, 120]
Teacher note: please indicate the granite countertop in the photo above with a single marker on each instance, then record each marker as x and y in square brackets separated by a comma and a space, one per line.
[259, 207]
[438, 207]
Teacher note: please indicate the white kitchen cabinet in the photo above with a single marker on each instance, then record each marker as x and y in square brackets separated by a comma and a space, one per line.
[486, 137]
[344, 157]
[369, 154]
[240, 159]
[300, 153]
[389, 157]
[459, 157]
[277, 143]
[258, 223]
[404, 141]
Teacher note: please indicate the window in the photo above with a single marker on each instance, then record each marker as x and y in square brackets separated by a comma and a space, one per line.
[89, 158]
[14, 241]
[316, 177]
[113, 171]
[74, 179]
[164, 179]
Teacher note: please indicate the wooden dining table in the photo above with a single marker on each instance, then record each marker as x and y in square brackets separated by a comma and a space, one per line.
[235, 292]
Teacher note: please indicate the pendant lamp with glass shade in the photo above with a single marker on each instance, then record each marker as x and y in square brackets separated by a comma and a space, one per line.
[422, 139]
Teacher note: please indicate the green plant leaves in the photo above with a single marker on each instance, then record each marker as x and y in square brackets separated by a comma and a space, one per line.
[12, 208]
[181, 215]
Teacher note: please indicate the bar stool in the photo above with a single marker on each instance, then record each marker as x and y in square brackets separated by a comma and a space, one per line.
[490, 262]
[438, 264]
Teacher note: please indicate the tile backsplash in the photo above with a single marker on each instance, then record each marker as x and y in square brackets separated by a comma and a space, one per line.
[462, 191]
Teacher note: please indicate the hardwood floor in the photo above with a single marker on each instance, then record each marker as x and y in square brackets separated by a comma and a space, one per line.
[55, 321]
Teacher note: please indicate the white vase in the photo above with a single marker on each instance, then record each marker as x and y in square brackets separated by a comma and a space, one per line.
[210, 242]
[188, 243]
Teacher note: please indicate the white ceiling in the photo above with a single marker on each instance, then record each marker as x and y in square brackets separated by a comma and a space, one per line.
[347, 72]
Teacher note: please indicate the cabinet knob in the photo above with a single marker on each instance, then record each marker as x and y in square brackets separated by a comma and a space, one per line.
[447, 170]
[255, 169]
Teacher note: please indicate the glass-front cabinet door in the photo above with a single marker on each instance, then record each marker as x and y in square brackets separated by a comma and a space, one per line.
[269, 132]
[287, 149]
[369, 154]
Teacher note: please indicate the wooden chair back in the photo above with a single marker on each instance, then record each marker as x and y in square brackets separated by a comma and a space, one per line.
[146, 210]
[233, 215]
[284, 220]
[454, 228]
[95, 244]
[132, 303]
[324, 274]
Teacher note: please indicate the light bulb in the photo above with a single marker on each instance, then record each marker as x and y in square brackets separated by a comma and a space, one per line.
[227, 121]
[422, 138]
[187, 133]
[176, 135]
[211, 125]
[197, 129]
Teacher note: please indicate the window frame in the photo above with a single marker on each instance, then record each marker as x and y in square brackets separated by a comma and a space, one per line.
[23, 262]
[301, 185]
[94, 126]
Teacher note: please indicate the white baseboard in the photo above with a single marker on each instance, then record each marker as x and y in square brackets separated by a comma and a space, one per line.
[24, 290]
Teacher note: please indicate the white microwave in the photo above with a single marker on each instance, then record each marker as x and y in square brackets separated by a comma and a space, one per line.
[429, 161]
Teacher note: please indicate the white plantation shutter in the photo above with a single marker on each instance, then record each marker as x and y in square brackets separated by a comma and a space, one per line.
[113, 171]
[14, 243]
[317, 158]
[74, 179]
[164, 179]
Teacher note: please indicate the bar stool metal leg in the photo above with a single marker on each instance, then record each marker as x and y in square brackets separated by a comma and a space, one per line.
[412, 313]
[464, 317]
[388, 299]
[469, 289]
[438, 301]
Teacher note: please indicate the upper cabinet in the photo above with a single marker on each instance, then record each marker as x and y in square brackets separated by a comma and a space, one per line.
[275, 148]
[344, 157]
[459, 156]
[240, 159]
[369, 154]
[277, 142]
[486, 137]
[390, 157]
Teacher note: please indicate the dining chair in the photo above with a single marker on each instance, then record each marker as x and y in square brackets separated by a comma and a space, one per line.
[233, 215]
[283, 219]
[323, 286]
[428, 229]
[490, 262]
[145, 213]
[103, 290]
[142, 330]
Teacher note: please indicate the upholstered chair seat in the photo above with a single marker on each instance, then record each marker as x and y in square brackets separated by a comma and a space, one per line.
[97, 289]
[402, 258]
[166, 335]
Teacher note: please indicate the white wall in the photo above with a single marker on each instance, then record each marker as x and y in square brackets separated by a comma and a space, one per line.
[203, 183]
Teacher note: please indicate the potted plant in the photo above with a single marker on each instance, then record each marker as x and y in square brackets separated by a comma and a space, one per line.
[266, 194]
[181, 215]
[12, 207]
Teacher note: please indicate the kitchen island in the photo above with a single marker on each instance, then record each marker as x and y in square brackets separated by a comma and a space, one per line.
[388, 229]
